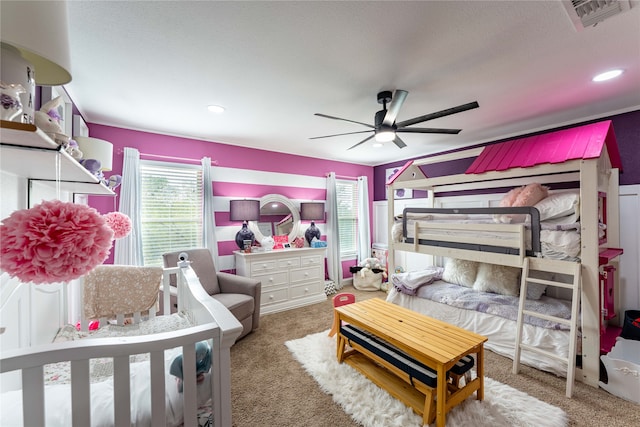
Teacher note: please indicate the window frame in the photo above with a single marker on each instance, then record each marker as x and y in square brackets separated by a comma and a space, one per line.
[352, 252]
[191, 173]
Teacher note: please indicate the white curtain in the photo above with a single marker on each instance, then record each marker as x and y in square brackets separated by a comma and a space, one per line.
[363, 242]
[334, 265]
[208, 215]
[129, 249]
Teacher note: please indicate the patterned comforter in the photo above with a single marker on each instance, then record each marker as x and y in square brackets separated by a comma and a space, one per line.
[496, 304]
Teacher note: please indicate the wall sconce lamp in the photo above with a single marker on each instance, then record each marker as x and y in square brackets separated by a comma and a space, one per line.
[244, 210]
[309, 212]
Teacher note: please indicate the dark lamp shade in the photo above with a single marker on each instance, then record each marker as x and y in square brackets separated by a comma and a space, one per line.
[244, 210]
[312, 211]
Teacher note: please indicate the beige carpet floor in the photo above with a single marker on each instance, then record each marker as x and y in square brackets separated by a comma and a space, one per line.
[270, 388]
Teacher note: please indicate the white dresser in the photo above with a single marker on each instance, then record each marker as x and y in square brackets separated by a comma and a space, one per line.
[290, 278]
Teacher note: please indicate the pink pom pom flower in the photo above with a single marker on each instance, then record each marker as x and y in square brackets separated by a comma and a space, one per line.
[119, 223]
[53, 242]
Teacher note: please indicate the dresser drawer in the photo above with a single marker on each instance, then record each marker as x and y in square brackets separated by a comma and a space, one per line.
[303, 275]
[274, 296]
[273, 279]
[299, 291]
[309, 261]
[258, 267]
[289, 263]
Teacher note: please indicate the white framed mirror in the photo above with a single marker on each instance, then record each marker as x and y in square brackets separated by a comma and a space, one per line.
[278, 215]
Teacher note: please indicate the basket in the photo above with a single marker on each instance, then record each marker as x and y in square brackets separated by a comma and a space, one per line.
[367, 281]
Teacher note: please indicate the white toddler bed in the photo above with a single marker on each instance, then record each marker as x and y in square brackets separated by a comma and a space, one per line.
[138, 388]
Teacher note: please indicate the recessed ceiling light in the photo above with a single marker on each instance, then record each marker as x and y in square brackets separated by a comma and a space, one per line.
[216, 109]
[607, 75]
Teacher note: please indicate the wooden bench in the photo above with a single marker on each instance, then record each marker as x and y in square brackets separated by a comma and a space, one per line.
[405, 367]
[417, 359]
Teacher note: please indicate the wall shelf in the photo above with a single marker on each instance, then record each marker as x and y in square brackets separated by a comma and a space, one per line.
[28, 152]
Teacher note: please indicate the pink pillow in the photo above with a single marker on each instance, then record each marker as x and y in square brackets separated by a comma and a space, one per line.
[510, 197]
[530, 195]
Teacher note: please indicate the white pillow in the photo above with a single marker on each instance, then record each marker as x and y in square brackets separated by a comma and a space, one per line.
[460, 271]
[559, 205]
[498, 279]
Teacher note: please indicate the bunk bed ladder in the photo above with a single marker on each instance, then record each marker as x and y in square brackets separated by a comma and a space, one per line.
[561, 267]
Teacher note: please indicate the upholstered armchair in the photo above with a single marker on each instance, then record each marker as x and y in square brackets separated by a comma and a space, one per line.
[241, 295]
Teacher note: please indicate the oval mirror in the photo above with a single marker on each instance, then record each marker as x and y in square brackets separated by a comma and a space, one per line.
[278, 215]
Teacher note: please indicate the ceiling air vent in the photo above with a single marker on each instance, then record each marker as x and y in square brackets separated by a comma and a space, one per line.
[588, 13]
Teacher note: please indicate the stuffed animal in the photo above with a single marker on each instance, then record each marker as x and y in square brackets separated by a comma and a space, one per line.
[48, 120]
[203, 364]
[73, 149]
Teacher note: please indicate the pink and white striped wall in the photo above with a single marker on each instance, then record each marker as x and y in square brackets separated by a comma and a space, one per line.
[240, 173]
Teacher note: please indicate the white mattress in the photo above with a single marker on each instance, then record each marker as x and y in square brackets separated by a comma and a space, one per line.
[501, 332]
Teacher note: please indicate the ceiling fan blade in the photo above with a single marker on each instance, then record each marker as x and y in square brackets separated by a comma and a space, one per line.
[339, 134]
[344, 120]
[394, 108]
[447, 112]
[400, 143]
[429, 130]
[361, 142]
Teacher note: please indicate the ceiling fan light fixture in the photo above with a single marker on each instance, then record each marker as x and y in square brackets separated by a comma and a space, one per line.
[385, 136]
[607, 75]
[217, 109]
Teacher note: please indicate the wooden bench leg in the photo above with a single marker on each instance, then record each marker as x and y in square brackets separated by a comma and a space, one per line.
[340, 348]
[429, 413]
[336, 325]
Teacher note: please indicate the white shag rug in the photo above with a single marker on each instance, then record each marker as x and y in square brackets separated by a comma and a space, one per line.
[371, 406]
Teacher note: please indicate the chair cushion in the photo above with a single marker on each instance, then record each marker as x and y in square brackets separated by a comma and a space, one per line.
[240, 305]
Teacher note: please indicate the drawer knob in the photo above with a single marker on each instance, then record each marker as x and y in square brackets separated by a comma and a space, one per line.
[271, 279]
[270, 296]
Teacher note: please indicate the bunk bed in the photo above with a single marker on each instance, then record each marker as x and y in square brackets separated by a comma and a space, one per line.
[125, 372]
[584, 161]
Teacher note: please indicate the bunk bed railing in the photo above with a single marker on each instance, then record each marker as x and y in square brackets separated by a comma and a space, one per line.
[469, 244]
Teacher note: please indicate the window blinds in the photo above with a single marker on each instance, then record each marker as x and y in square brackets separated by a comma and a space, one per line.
[347, 195]
[171, 209]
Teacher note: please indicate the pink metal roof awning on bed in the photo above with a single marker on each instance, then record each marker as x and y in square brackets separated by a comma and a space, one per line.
[583, 142]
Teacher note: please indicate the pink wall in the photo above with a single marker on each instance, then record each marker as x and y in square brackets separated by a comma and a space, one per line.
[229, 156]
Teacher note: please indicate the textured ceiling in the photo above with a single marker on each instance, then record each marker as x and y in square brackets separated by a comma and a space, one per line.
[155, 66]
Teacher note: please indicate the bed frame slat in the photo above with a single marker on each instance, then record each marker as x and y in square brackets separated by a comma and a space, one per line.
[158, 402]
[121, 391]
[80, 393]
[33, 392]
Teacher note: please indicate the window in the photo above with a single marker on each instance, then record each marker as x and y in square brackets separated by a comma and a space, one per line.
[171, 211]
[347, 194]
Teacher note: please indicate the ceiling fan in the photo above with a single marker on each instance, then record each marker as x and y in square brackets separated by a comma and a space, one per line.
[385, 128]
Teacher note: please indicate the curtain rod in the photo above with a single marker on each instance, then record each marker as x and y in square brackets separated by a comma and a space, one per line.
[355, 178]
[158, 156]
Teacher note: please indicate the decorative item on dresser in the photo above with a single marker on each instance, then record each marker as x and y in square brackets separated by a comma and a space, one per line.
[290, 278]
[244, 210]
[312, 211]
